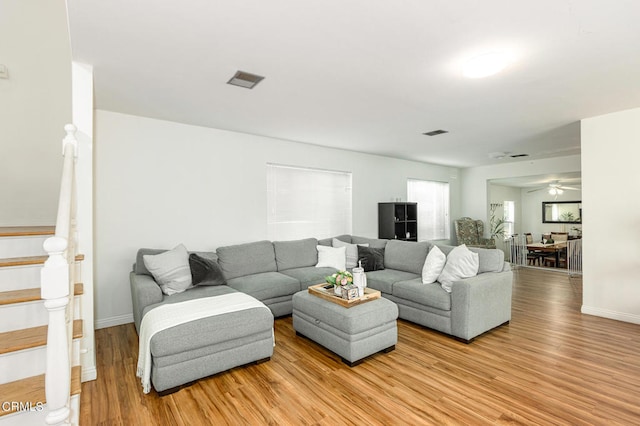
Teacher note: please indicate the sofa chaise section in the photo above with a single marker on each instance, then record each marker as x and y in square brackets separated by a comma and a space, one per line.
[202, 347]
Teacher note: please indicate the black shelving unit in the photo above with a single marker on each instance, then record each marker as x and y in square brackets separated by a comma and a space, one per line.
[398, 221]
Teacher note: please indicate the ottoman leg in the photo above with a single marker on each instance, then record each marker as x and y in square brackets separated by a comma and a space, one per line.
[351, 364]
[354, 363]
[389, 349]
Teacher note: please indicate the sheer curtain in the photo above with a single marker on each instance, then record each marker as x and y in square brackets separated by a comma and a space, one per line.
[304, 202]
[433, 208]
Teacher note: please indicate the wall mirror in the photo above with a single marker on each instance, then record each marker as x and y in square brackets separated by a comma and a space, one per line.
[562, 212]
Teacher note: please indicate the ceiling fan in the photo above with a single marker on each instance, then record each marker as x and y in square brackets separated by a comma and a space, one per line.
[555, 188]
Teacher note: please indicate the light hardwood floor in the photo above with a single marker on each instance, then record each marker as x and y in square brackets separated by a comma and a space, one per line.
[550, 365]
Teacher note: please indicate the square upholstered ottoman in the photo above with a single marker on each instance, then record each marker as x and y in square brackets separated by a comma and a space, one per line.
[353, 333]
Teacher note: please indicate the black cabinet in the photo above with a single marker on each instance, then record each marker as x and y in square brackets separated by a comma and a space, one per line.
[398, 221]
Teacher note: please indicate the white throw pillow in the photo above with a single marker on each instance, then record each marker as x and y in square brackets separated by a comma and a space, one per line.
[433, 265]
[461, 263]
[170, 269]
[333, 257]
[352, 251]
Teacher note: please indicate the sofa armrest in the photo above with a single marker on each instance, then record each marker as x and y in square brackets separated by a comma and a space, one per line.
[480, 303]
[144, 292]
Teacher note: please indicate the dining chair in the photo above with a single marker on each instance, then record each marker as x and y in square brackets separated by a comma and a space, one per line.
[559, 237]
[533, 256]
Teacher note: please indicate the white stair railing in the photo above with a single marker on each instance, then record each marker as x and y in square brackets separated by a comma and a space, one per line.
[574, 256]
[57, 280]
[516, 249]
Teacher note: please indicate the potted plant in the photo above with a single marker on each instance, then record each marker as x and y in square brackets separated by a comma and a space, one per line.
[496, 225]
[339, 279]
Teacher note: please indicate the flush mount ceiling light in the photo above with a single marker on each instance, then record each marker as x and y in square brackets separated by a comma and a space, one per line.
[486, 64]
[435, 132]
[499, 155]
[245, 79]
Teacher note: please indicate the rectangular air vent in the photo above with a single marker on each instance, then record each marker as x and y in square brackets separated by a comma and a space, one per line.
[245, 79]
[519, 155]
[435, 132]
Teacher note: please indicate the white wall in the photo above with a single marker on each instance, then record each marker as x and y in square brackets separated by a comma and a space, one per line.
[160, 183]
[610, 182]
[35, 105]
[474, 181]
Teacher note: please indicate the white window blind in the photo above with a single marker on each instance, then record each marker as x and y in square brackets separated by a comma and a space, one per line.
[304, 202]
[433, 208]
[509, 214]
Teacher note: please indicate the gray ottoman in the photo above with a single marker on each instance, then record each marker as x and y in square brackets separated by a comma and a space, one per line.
[353, 333]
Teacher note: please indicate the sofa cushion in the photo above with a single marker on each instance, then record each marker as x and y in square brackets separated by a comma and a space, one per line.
[490, 260]
[247, 259]
[332, 257]
[295, 254]
[371, 259]
[406, 256]
[384, 280]
[140, 269]
[170, 269]
[425, 294]
[351, 251]
[309, 275]
[329, 241]
[205, 270]
[461, 263]
[265, 285]
[373, 242]
[193, 339]
[433, 265]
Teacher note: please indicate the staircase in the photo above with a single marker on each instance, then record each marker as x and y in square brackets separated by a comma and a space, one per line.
[41, 325]
[24, 329]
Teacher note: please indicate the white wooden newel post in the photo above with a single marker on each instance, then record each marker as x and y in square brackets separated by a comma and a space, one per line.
[55, 292]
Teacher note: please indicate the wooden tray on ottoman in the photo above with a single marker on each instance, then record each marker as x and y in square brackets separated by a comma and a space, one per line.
[320, 291]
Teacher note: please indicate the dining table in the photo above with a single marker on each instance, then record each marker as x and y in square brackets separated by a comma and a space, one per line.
[555, 248]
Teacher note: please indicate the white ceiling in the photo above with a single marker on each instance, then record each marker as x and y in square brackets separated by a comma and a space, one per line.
[573, 179]
[368, 75]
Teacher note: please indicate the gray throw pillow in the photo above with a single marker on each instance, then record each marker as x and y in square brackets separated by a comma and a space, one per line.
[170, 269]
[371, 259]
[205, 271]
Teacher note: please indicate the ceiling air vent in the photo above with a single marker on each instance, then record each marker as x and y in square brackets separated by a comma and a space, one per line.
[435, 132]
[518, 155]
[245, 79]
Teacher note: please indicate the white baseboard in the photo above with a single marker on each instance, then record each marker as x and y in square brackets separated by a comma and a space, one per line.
[88, 374]
[113, 321]
[605, 313]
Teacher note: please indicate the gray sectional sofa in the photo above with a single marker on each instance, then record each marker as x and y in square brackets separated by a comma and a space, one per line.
[273, 272]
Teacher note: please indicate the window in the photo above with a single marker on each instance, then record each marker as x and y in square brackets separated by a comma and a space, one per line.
[304, 202]
[509, 215]
[433, 208]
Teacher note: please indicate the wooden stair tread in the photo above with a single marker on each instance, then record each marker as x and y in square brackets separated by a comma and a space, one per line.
[30, 295]
[26, 231]
[17, 340]
[31, 389]
[31, 260]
